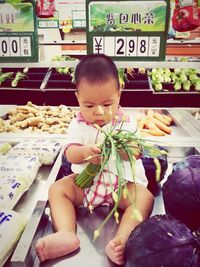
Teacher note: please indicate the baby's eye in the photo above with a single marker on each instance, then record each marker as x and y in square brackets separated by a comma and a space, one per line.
[107, 105]
[89, 106]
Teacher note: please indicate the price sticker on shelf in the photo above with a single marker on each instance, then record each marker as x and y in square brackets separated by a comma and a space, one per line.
[18, 33]
[128, 30]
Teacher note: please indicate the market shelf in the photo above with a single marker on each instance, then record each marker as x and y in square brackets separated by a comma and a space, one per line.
[45, 86]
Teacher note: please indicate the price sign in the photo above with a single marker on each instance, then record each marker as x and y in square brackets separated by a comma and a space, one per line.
[128, 30]
[78, 19]
[18, 33]
[49, 23]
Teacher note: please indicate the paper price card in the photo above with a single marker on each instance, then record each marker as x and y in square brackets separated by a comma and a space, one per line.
[128, 30]
[18, 33]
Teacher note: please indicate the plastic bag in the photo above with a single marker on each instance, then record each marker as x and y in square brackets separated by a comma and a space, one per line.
[162, 241]
[12, 225]
[16, 176]
[46, 150]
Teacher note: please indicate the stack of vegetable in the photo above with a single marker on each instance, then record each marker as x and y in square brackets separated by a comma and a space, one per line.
[115, 143]
[155, 123]
[179, 79]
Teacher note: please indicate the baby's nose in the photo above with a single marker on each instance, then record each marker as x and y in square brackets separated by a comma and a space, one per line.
[99, 110]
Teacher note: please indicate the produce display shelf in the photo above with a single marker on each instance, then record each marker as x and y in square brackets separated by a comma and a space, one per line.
[184, 141]
[46, 86]
[86, 224]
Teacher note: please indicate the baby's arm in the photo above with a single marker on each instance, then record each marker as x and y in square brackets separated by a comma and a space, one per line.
[78, 154]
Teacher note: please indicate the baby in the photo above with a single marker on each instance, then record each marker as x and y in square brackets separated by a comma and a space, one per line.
[98, 94]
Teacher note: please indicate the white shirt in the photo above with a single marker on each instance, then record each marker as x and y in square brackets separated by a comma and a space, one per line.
[83, 133]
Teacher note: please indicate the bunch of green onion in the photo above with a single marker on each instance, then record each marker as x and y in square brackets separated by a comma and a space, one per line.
[115, 142]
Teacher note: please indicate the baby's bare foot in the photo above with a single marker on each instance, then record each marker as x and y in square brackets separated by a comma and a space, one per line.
[115, 249]
[56, 245]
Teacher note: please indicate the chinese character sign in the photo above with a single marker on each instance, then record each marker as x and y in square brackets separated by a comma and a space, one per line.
[18, 32]
[128, 29]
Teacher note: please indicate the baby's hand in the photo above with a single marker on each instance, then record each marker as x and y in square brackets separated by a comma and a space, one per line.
[135, 150]
[92, 153]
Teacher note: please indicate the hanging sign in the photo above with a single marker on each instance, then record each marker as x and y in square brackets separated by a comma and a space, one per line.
[128, 30]
[18, 31]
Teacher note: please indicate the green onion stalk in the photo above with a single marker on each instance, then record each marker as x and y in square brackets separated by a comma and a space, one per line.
[4, 76]
[115, 143]
[19, 76]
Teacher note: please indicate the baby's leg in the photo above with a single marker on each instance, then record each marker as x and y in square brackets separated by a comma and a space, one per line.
[143, 201]
[63, 196]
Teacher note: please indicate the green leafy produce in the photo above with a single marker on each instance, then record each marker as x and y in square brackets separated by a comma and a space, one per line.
[180, 78]
[19, 76]
[122, 77]
[186, 85]
[4, 76]
[197, 85]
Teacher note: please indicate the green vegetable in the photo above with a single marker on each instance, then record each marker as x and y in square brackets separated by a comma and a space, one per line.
[19, 75]
[186, 85]
[177, 86]
[122, 77]
[65, 70]
[4, 76]
[180, 78]
[117, 142]
[197, 84]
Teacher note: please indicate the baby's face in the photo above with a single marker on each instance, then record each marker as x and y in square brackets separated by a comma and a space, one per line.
[98, 101]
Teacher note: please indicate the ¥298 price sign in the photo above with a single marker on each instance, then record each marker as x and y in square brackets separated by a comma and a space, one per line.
[128, 30]
[120, 46]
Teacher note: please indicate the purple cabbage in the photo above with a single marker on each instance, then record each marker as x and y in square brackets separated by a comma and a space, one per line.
[181, 196]
[162, 241]
[192, 161]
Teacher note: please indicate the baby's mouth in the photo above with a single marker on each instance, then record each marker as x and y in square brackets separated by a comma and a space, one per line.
[100, 122]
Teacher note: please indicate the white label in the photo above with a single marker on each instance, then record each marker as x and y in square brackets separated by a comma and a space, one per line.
[48, 24]
[109, 43]
[142, 50]
[154, 46]
[121, 46]
[131, 46]
[15, 46]
[25, 46]
[98, 45]
[4, 47]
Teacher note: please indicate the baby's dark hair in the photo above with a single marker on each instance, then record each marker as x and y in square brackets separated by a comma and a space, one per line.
[96, 68]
